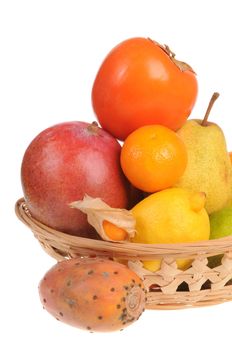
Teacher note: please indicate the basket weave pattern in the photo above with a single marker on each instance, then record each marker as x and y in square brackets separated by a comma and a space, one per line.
[203, 285]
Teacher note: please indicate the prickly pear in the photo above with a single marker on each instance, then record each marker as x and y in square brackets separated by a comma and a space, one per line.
[95, 294]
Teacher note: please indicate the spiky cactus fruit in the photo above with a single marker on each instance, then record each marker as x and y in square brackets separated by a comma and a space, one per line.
[93, 293]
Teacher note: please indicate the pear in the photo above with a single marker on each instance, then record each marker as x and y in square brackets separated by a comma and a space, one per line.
[209, 167]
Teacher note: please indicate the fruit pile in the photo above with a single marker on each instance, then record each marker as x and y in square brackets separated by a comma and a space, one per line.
[169, 180]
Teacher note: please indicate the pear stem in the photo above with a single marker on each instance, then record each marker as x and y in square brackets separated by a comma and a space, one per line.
[211, 103]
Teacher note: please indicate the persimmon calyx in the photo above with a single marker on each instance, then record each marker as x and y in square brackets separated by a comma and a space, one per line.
[183, 66]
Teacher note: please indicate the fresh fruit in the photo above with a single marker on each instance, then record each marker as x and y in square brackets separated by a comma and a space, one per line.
[221, 223]
[93, 294]
[220, 226]
[173, 215]
[230, 155]
[153, 158]
[65, 162]
[114, 232]
[140, 83]
[209, 168]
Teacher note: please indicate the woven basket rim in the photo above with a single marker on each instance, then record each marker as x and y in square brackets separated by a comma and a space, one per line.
[169, 278]
[209, 247]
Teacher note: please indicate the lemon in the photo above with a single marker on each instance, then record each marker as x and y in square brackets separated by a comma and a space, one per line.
[173, 215]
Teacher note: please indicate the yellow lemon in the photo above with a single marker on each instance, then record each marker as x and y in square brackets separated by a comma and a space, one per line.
[173, 215]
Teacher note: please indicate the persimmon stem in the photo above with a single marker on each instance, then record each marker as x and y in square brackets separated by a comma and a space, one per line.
[211, 103]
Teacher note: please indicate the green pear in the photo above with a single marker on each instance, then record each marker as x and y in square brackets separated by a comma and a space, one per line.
[209, 167]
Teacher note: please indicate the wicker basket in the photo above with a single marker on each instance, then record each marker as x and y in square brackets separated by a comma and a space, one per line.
[168, 288]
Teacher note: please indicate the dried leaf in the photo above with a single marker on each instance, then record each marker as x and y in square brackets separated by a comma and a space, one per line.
[97, 211]
[183, 66]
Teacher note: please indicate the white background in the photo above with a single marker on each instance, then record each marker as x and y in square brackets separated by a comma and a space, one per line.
[50, 52]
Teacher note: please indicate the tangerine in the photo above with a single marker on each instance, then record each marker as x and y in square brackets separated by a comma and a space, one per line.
[153, 158]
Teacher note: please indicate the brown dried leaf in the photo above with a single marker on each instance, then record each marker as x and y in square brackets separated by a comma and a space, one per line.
[97, 211]
[183, 66]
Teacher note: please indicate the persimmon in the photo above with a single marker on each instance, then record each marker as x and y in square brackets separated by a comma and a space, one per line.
[140, 83]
